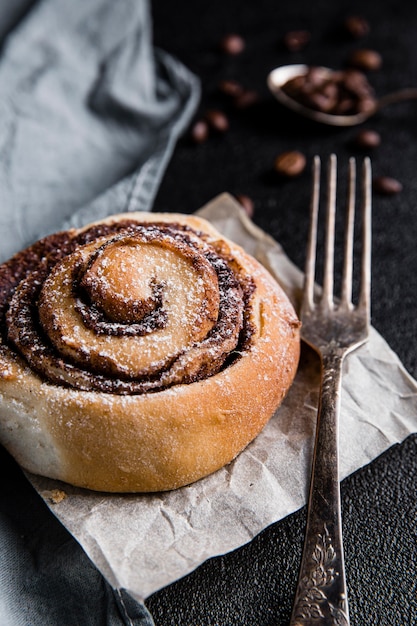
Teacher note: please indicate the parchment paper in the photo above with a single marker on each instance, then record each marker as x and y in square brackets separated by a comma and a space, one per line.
[144, 542]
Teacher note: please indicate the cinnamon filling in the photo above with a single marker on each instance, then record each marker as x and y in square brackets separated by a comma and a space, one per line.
[126, 308]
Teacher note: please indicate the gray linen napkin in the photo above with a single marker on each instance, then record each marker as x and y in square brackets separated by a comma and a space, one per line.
[89, 116]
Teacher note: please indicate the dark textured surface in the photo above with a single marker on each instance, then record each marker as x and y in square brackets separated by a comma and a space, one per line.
[255, 584]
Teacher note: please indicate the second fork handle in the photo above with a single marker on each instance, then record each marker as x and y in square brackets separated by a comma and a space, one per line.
[321, 595]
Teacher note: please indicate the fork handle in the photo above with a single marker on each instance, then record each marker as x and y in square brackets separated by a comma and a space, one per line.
[321, 595]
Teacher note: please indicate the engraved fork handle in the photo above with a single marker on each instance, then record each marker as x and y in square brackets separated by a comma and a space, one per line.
[321, 596]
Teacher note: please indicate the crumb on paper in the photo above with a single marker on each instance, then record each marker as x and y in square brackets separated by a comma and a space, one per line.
[55, 496]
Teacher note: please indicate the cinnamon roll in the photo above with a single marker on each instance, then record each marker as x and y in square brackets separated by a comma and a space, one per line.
[139, 353]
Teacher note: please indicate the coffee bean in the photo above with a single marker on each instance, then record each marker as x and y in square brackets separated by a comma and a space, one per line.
[232, 44]
[199, 131]
[357, 26]
[296, 40]
[366, 105]
[246, 99]
[325, 99]
[367, 139]
[345, 106]
[386, 185]
[368, 60]
[339, 93]
[290, 164]
[217, 120]
[356, 82]
[230, 88]
[247, 204]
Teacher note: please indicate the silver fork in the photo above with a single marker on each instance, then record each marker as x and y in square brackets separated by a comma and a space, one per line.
[333, 328]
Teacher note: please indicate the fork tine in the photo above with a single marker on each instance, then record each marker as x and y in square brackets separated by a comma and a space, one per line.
[310, 268]
[365, 291]
[328, 275]
[346, 291]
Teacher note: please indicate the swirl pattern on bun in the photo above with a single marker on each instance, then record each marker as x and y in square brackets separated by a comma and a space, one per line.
[139, 353]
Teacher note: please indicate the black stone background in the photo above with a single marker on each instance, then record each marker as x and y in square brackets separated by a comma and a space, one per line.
[254, 585]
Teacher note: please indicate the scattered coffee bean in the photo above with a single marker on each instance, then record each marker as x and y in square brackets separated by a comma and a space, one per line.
[368, 60]
[241, 98]
[296, 40]
[246, 99]
[387, 186]
[199, 131]
[339, 92]
[290, 164]
[357, 26]
[247, 204]
[217, 120]
[232, 44]
[230, 88]
[367, 139]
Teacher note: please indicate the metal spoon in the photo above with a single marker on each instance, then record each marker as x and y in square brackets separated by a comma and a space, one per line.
[278, 77]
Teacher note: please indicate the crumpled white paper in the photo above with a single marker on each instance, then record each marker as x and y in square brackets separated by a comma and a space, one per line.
[144, 542]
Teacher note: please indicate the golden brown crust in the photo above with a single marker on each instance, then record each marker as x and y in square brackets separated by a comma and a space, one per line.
[163, 439]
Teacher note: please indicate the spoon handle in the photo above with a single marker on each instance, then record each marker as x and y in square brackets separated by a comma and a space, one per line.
[410, 93]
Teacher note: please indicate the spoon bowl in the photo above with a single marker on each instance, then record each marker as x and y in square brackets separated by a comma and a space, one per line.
[281, 75]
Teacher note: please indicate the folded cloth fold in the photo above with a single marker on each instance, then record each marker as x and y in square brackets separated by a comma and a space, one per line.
[89, 115]
[89, 111]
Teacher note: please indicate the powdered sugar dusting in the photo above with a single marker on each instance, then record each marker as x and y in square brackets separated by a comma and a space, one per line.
[141, 310]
